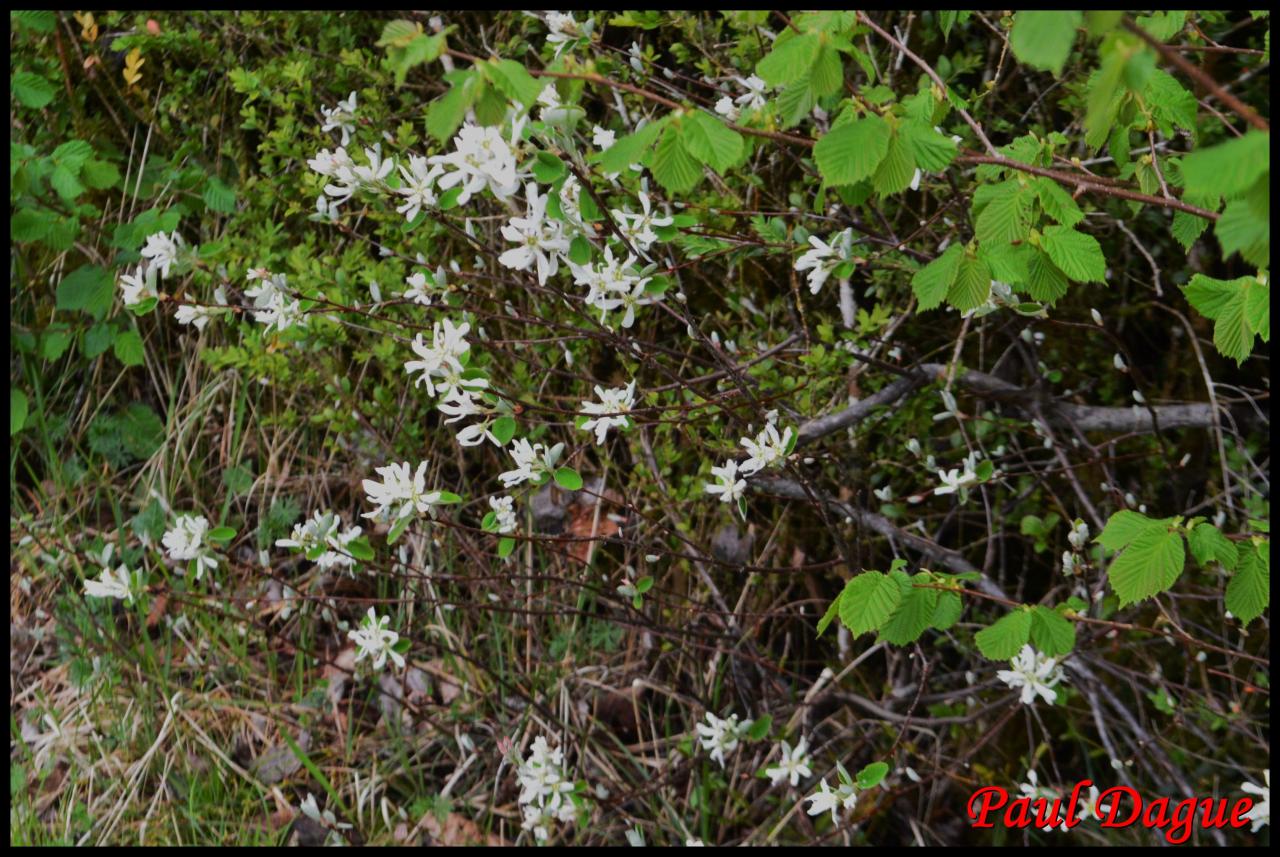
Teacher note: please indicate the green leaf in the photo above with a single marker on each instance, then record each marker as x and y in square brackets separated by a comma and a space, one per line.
[673, 166]
[1057, 203]
[631, 149]
[505, 546]
[870, 599]
[128, 348]
[790, 59]
[360, 549]
[1125, 526]
[972, 285]
[1187, 228]
[1257, 308]
[851, 152]
[568, 479]
[31, 89]
[17, 411]
[1210, 297]
[1249, 590]
[1045, 282]
[64, 181]
[1006, 637]
[446, 113]
[88, 288]
[826, 617]
[1051, 632]
[515, 81]
[1148, 565]
[872, 775]
[947, 612]
[504, 428]
[1240, 230]
[932, 151]
[1208, 544]
[100, 175]
[932, 282]
[896, 169]
[96, 340]
[218, 196]
[914, 614]
[712, 142]
[1078, 255]
[826, 75]
[1043, 39]
[796, 101]
[398, 527]
[1006, 217]
[398, 33]
[1230, 168]
[547, 168]
[221, 534]
[759, 729]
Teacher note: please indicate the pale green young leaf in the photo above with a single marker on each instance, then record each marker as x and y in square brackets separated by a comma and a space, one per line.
[869, 600]
[712, 142]
[1249, 590]
[914, 614]
[897, 169]
[1125, 526]
[1005, 637]
[790, 59]
[1043, 39]
[1078, 255]
[1148, 566]
[851, 152]
[972, 285]
[1209, 544]
[932, 282]
[675, 168]
[1051, 632]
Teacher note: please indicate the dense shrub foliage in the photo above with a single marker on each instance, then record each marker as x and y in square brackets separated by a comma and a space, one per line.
[649, 427]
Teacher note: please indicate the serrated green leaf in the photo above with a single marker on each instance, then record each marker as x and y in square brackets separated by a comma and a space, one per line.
[896, 170]
[869, 600]
[1228, 169]
[852, 152]
[631, 149]
[790, 59]
[218, 196]
[1125, 526]
[1187, 228]
[972, 285]
[826, 617]
[88, 288]
[128, 348]
[97, 339]
[1006, 216]
[914, 614]
[673, 166]
[100, 175]
[1148, 566]
[1076, 254]
[64, 181]
[547, 168]
[932, 151]
[759, 729]
[712, 142]
[360, 549]
[1006, 637]
[1051, 632]
[515, 81]
[947, 612]
[1249, 590]
[932, 282]
[1209, 544]
[31, 89]
[1043, 39]
[1257, 308]
[504, 428]
[1057, 203]
[1044, 281]
[446, 113]
[1240, 230]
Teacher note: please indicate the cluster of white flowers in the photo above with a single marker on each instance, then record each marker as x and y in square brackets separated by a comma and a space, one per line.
[793, 764]
[637, 227]
[753, 99]
[613, 285]
[160, 253]
[1260, 812]
[545, 792]
[186, 541]
[822, 260]
[401, 494]
[532, 461]
[418, 186]
[766, 449]
[728, 484]
[719, 736]
[504, 514]
[422, 289]
[441, 367]
[481, 159]
[271, 302]
[541, 241]
[1035, 673]
[957, 480]
[564, 29]
[323, 540]
[375, 640]
[610, 410]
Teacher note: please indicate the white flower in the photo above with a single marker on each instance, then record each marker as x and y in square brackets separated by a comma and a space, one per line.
[1035, 673]
[618, 400]
[638, 228]
[112, 584]
[1068, 563]
[915, 179]
[1097, 316]
[442, 358]
[793, 765]
[162, 251]
[138, 286]
[1031, 789]
[719, 736]
[341, 116]
[186, 541]
[913, 447]
[824, 258]
[885, 494]
[726, 108]
[542, 241]
[375, 640]
[325, 819]
[1260, 812]
[1119, 363]
[1079, 535]
[953, 480]
[504, 514]
[481, 158]
[767, 449]
[602, 138]
[200, 315]
[825, 799]
[398, 489]
[563, 29]
[528, 467]
[728, 486]
[755, 97]
[323, 531]
[271, 300]
[332, 164]
[544, 789]
[418, 186]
